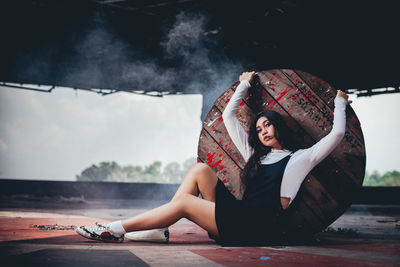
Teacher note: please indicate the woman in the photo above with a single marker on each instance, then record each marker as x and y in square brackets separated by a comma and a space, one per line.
[274, 165]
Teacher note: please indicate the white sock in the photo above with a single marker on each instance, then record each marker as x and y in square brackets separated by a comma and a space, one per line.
[160, 235]
[116, 227]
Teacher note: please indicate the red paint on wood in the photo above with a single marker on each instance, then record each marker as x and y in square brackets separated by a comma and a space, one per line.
[217, 163]
[210, 157]
[343, 143]
[227, 145]
[284, 93]
[293, 96]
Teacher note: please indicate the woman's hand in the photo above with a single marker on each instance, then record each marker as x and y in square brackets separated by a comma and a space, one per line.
[344, 95]
[247, 76]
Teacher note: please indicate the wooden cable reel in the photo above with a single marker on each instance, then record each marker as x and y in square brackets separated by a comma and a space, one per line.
[306, 104]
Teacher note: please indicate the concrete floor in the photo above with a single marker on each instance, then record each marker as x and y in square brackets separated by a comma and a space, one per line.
[39, 233]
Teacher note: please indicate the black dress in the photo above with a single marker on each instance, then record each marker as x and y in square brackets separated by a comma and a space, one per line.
[255, 218]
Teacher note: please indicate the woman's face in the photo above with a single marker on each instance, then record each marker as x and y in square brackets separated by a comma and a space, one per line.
[266, 133]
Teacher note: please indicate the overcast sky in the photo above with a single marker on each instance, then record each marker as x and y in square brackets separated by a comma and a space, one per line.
[55, 136]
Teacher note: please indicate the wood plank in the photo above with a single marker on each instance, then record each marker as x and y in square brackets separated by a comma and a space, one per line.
[224, 99]
[299, 220]
[215, 126]
[325, 94]
[244, 114]
[322, 199]
[227, 170]
[323, 89]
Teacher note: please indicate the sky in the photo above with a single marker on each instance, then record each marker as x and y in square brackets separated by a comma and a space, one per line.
[379, 118]
[55, 136]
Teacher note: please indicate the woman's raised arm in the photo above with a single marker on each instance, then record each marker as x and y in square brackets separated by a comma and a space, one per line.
[326, 145]
[235, 130]
[304, 160]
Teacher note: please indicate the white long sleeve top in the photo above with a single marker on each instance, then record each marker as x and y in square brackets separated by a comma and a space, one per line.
[303, 160]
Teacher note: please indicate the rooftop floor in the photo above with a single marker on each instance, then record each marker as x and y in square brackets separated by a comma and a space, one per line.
[40, 232]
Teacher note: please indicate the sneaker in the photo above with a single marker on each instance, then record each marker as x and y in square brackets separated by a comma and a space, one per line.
[99, 232]
[155, 235]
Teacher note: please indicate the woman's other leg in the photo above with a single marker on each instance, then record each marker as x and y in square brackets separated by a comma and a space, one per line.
[199, 179]
[199, 211]
[185, 204]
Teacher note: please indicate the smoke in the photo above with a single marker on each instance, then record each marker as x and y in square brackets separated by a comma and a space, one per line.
[184, 39]
[195, 62]
[203, 66]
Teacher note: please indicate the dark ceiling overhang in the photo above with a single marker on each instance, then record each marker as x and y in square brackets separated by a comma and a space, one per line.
[350, 44]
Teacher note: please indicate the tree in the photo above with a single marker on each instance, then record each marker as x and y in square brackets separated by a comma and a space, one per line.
[154, 169]
[98, 173]
[112, 172]
[187, 164]
[391, 178]
[133, 173]
[172, 173]
[372, 179]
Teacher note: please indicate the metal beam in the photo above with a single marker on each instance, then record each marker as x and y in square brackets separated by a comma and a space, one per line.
[376, 91]
[21, 86]
[102, 91]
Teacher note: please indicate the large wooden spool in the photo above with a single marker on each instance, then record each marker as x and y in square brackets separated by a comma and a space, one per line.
[306, 103]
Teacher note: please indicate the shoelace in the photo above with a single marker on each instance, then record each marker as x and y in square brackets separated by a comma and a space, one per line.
[101, 226]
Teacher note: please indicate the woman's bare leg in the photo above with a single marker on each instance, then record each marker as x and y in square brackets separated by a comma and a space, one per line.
[199, 211]
[185, 204]
[199, 179]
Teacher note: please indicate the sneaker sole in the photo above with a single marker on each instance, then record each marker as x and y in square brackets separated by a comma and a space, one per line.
[87, 236]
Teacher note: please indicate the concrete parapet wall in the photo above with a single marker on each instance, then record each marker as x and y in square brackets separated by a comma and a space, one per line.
[147, 191]
[88, 190]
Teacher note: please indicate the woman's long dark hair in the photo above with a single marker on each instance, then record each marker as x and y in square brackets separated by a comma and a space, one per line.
[282, 133]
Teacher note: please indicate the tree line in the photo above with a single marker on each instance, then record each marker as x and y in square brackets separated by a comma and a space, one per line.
[174, 172]
[390, 178]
